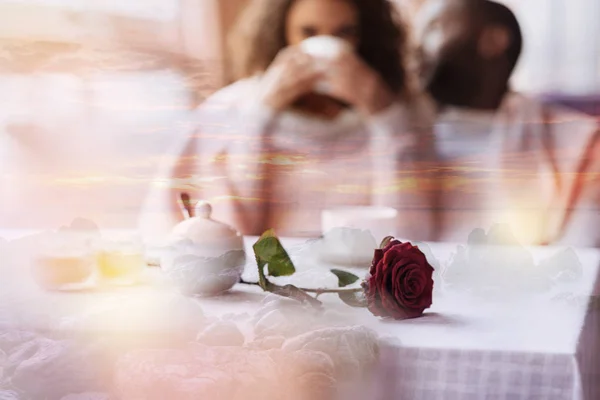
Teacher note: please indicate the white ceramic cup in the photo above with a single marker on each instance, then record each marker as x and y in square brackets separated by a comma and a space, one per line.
[380, 221]
[324, 49]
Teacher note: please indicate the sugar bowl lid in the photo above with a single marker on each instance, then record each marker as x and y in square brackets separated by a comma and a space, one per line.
[202, 229]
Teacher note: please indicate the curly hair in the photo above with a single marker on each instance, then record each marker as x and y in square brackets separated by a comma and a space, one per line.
[260, 35]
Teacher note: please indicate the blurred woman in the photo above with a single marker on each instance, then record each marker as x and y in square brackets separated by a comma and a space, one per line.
[295, 135]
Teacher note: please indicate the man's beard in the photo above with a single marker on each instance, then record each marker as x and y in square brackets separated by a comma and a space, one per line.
[455, 80]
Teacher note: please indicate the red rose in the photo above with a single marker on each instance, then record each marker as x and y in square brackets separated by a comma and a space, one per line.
[400, 284]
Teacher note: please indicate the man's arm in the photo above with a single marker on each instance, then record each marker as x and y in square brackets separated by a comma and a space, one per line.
[582, 222]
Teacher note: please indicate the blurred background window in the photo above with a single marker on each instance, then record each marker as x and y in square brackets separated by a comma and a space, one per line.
[151, 9]
[562, 46]
[96, 89]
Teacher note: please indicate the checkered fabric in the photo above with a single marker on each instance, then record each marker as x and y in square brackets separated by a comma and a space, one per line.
[439, 374]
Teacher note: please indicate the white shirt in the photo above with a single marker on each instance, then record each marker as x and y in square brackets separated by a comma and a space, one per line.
[516, 166]
[243, 156]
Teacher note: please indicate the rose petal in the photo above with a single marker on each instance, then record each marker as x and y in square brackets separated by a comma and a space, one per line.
[391, 244]
[377, 256]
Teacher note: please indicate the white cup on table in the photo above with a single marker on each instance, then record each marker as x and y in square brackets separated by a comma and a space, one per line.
[351, 234]
[380, 221]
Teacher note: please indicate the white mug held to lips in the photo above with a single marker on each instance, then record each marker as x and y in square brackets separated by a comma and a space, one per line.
[324, 49]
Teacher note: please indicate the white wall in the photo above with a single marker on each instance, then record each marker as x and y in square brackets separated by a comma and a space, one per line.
[562, 45]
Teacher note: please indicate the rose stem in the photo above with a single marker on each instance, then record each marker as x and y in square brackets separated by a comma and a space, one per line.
[317, 291]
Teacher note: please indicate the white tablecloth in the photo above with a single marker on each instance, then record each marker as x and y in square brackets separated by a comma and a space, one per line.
[541, 345]
[524, 346]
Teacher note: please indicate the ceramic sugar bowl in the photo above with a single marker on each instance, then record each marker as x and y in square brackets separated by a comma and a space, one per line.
[205, 257]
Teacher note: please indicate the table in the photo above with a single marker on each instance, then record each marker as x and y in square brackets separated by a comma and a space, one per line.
[544, 345]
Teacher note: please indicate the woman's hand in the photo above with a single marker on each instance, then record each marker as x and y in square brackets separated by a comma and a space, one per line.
[351, 80]
[291, 75]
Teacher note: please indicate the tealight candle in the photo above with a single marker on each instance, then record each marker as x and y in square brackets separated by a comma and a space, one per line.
[121, 260]
[64, 262]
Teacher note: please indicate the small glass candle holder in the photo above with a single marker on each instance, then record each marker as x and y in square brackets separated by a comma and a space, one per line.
[64, 261]
[120, 260]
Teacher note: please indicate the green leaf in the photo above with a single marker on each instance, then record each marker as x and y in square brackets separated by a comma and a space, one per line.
[353, 299]
[344, 278]
[386, 241]
[269, 251]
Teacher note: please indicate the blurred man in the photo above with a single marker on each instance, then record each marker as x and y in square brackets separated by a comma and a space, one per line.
[468, 49]
[504, 158]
